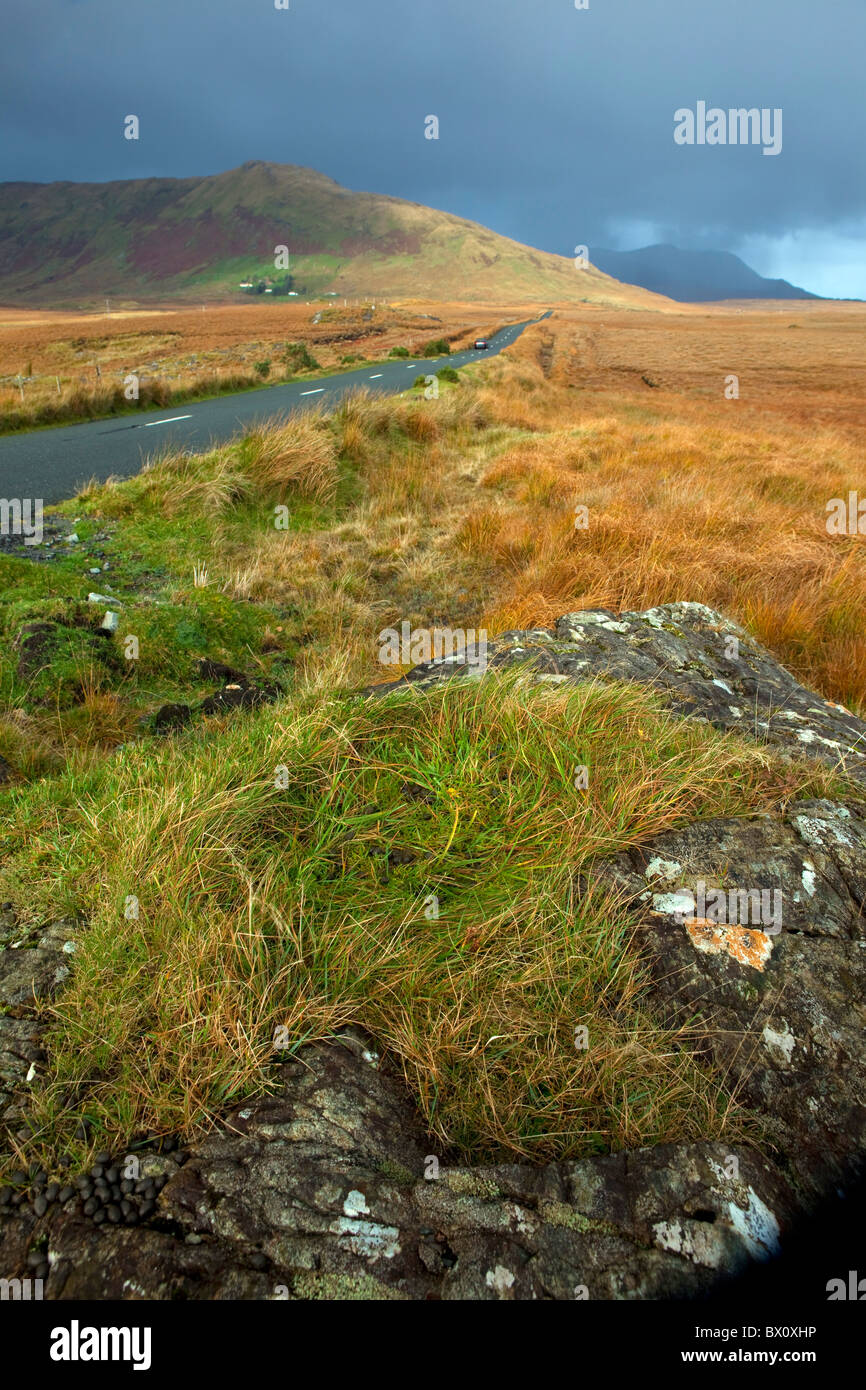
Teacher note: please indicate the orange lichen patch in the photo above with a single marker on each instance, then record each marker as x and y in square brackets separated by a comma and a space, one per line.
[831, 704]
[746, 945]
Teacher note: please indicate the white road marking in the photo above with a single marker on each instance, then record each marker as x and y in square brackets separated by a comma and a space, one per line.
[317, 391]
[151, 423]
[376, 375]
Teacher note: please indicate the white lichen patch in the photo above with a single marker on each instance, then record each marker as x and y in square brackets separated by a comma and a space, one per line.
[723, 685]
[367, 1238]
[681, 904]
[667, 870]
[809, 736]
[816, 831]
[708, 1244]
[355, 1204]
[809, 877]
[500, 1279]
[757, 1227]
[130, 1286]
[698, 1241]
[781, 1043]
[736, 711]
[522, 1219]
[592, 617]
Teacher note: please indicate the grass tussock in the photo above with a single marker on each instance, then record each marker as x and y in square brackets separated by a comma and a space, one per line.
[310, 905]
[298, 455]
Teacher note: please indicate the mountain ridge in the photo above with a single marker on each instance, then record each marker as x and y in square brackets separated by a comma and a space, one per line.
[199, 237]
[693, 277]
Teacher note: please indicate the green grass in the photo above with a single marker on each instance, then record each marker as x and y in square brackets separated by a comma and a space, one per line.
[310, 905]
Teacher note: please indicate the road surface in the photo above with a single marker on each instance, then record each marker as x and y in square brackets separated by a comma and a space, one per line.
[52, 464]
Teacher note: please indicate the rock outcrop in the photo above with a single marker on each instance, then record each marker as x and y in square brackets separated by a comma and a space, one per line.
[330, 1187]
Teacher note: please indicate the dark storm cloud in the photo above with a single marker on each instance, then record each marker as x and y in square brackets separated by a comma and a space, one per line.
[556, 123]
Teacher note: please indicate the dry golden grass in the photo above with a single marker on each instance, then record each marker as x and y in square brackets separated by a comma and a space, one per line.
[297, 453]
[187, 351]
[688, 498]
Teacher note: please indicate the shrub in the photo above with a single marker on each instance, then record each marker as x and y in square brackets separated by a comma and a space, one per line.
[399, 352]
[263, 367]
[298, 358]
[448, 374]
[420, 380]
[437, 347]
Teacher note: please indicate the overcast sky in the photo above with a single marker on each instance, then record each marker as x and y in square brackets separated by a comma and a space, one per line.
[556, 124]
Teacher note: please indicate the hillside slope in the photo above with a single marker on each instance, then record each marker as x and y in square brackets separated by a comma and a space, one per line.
[150, 239]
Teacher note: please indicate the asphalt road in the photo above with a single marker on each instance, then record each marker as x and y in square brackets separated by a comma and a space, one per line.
[54, 463]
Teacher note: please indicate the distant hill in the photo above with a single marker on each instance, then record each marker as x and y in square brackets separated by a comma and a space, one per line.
[693, 276]
[155, 239]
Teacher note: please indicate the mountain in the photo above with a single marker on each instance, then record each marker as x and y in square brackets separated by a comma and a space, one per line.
[197, 238]
[693, 276]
